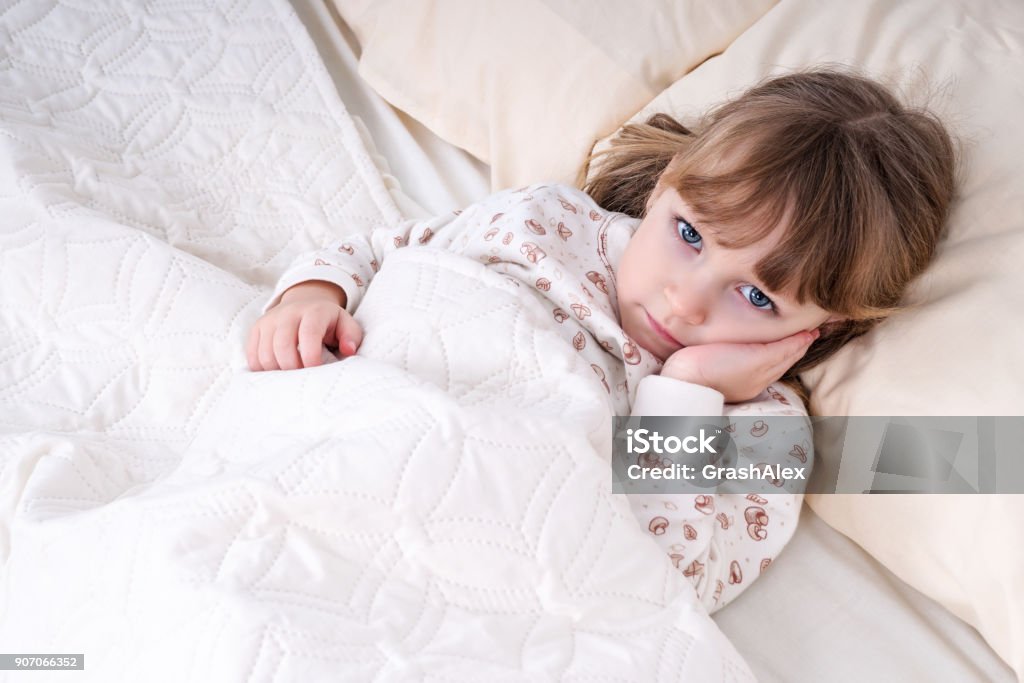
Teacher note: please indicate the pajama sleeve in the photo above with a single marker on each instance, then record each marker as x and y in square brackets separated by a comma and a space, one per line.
[351, 261]
[723, 541]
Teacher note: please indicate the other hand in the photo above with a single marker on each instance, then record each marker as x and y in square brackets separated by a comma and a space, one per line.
[309, 316]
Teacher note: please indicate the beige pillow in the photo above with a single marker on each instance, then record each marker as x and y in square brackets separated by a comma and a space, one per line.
[960, 352]
[528, 85]
[964, 552]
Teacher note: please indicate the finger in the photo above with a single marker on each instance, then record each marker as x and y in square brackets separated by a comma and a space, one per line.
[286, 350]
[350, 334]
[312, 329]
[788, 351]
[330, 339]
[265, 352]
[252, 349]
[793, 345]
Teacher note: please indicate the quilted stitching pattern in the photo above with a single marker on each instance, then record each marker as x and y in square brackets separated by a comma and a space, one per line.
[435, 508]
[162, 162]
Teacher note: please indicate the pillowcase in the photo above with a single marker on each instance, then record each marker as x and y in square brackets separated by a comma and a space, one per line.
[528, 86]
[959, 351]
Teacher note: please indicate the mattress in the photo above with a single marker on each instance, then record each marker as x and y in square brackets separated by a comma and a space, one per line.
[826, 610]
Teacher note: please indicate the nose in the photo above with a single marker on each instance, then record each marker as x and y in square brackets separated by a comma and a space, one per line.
[689, 305]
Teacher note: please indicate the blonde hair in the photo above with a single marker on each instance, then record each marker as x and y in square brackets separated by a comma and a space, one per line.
[863, 181]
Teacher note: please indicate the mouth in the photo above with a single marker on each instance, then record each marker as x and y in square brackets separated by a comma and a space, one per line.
[662, 332]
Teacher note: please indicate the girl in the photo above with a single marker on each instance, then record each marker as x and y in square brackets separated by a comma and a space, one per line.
[696, 269]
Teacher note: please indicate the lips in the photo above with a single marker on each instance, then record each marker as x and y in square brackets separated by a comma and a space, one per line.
[661, 331]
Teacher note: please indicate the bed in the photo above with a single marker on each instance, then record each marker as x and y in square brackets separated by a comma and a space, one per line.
[146, 224]
[851, 618]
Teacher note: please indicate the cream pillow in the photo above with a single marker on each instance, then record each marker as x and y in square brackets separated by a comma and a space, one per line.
[963, 551]
[959, 353]
[527, 86]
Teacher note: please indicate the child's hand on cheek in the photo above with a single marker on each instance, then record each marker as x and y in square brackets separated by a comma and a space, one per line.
[739, 371]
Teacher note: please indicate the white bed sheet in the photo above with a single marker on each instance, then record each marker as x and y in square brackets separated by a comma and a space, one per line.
[826, 611]
[434, 175]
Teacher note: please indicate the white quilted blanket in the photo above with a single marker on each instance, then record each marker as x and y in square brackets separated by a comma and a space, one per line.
[435, 509]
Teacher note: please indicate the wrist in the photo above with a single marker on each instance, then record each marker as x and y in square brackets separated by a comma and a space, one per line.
[319, 289]
[663, 395]
[684, 372]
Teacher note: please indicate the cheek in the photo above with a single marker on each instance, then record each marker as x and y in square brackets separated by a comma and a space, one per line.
[644, 258]
[630, 271]
[805, 321]
[732, 322]
[775, 332]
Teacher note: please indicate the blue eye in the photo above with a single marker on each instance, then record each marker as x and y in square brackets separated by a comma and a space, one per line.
[756, 297]
[688, 233]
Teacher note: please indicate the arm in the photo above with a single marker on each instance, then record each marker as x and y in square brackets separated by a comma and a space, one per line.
[722, 541]
[312, 304]
[350, 263]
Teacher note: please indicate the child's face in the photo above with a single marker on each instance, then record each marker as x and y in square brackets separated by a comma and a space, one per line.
[677, 287]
